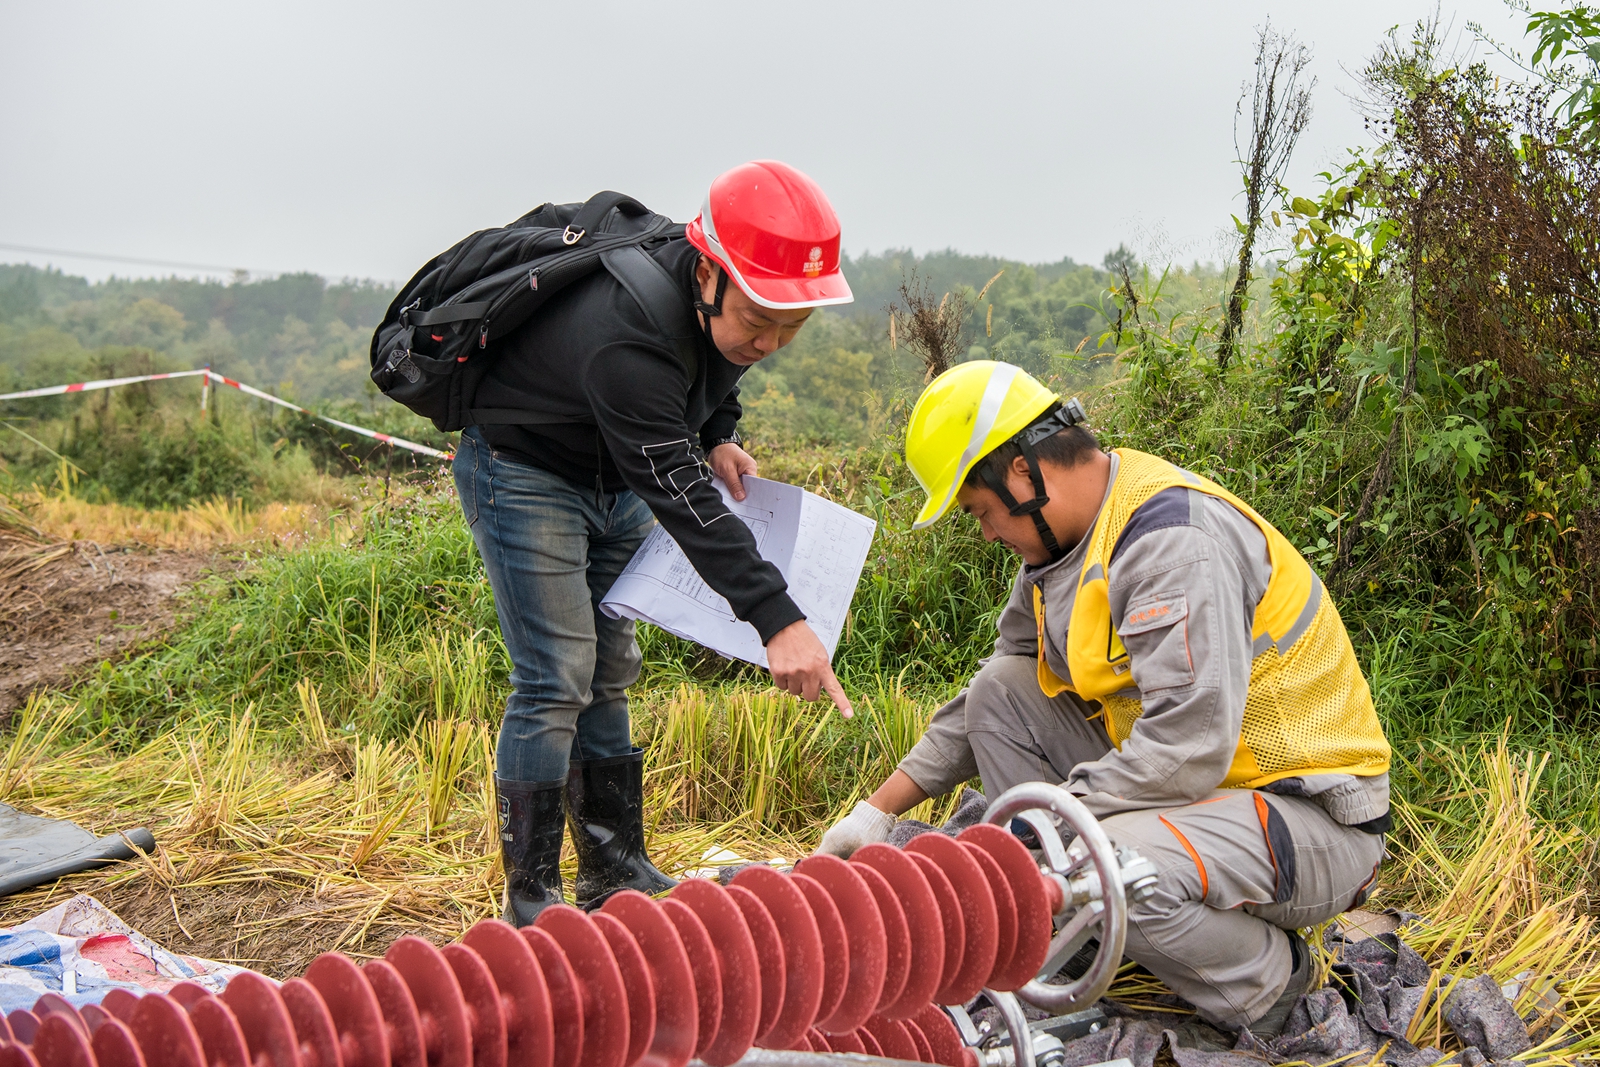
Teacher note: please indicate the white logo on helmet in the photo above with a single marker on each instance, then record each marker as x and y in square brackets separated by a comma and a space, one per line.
[813, 264]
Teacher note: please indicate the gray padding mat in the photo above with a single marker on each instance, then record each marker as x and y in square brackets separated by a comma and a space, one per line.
[35, 850]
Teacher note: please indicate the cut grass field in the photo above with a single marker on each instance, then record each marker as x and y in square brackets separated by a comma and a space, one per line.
[275, 844]
[311, 747]
[218, 524]
[279, 842]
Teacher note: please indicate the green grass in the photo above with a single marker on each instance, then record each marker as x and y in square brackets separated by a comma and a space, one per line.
[393, 620]
[313, 744]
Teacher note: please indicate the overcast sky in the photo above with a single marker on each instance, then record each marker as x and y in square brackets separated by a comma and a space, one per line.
[359, 139]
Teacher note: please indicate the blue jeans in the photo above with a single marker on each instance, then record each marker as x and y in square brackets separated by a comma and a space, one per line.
[552, 550]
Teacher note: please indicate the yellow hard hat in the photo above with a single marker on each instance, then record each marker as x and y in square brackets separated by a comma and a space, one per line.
[964, 414]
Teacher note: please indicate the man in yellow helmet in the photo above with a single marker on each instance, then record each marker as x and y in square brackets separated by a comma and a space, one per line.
[1172, 659]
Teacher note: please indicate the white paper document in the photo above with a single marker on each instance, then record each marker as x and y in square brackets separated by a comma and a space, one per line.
[818, 546]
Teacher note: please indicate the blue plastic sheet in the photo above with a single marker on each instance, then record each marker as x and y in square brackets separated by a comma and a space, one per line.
[82, 951]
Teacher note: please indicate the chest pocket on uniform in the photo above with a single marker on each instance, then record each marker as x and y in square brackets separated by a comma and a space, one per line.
[1164, 661]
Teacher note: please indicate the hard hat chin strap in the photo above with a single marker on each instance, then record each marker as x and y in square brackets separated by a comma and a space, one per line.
[1035, 507]
[712, 310]
[1059, 417]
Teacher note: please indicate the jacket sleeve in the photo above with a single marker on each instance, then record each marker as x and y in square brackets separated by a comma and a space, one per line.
[942, 758]
[723, 421]
[1180, 604]
[637, 394]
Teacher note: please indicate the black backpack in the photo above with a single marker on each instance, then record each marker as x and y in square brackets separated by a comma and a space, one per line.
[432, 348]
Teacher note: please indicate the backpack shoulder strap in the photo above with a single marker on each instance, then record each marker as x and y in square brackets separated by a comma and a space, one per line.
[664, 304]
[659, 297]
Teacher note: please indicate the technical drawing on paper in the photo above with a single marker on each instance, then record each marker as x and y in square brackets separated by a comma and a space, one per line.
[825, 549]
[672, 569]
[818, 546]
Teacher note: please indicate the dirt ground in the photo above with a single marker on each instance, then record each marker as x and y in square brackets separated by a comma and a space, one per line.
[67, 606]
[76, 604]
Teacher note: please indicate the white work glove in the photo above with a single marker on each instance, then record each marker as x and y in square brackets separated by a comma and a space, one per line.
[865, 825]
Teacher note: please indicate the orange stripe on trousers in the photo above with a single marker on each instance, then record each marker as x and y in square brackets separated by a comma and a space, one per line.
[1261, 813]
[1205, 882]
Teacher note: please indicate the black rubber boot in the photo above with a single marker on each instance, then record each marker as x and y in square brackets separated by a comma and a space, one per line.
[1302, 976]
[530, 847]
[605, 811]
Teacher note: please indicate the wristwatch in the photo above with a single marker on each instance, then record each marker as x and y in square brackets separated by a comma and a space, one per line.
[731, 439]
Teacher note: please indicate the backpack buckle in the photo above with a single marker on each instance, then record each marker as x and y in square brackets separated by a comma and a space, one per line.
[569, 236]
[400, 361]
[405, 312]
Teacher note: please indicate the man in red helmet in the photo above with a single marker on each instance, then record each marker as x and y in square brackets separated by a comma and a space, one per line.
[622, 431]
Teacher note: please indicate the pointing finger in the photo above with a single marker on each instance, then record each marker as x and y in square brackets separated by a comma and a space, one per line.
[836, 691]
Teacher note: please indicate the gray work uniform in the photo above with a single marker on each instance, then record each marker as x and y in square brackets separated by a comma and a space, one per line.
[1236, 865]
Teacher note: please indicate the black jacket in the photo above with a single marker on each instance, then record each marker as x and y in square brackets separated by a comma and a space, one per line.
[633, 419]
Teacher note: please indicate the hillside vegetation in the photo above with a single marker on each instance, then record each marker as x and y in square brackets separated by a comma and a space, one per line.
[308, 340]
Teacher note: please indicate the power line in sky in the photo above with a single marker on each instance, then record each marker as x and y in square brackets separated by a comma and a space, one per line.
[137, 260]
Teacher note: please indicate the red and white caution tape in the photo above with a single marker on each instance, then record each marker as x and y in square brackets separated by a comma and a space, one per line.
[398, 442]
[107, 383]
[103, 383]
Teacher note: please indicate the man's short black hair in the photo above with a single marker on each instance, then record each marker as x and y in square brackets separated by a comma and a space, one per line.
[1064, 448]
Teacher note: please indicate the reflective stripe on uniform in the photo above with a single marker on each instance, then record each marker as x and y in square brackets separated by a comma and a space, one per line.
[994, 394]
[1199, 864]
[1266, 642]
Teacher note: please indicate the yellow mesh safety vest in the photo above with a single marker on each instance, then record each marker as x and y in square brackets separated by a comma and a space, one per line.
[1308, 710]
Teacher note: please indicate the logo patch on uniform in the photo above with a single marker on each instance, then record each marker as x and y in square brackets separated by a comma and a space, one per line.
[1149, 614]
[1155, 612]
[813, 264]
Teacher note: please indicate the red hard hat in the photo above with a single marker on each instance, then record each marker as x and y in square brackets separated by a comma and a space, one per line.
[772, 230]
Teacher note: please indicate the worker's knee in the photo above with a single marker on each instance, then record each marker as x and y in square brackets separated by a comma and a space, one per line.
[997, 693]
[1177, 881]
[1280, 859]
[1000, 679]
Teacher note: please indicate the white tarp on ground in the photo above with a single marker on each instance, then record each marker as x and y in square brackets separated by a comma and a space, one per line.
[81, 950]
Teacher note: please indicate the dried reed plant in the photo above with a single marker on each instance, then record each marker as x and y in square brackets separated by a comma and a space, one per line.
[930, 328]
[1498, 900]
[218, 523]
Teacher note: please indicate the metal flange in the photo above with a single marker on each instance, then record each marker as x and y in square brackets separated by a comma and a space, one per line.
[1107, 914]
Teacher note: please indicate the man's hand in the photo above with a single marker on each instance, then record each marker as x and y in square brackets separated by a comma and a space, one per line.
[731, 463]
[799, 664]
[865, 825]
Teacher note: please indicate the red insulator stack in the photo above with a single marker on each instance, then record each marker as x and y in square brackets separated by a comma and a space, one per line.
[835, 956]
